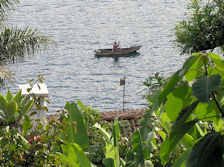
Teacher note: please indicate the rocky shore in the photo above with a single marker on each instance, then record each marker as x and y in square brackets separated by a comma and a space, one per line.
[111, 115]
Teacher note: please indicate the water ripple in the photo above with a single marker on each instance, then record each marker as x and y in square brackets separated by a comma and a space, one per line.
[73, 72]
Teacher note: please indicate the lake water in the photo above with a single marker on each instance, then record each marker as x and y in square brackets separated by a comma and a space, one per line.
[73, 72]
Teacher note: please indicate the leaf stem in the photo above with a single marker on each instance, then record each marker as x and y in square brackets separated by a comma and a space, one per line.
[216, 116]
[216, 102]
[213, 94]
[206, 72]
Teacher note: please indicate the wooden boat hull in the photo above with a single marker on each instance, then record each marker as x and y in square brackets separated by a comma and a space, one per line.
[120, 51]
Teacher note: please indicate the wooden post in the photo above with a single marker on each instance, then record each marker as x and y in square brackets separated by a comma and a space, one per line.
[122, 82]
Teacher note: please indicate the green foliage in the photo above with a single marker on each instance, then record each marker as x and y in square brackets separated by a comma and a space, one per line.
[142, 149]
[177, 100]
[96, 143]
[153, 83]
[181, 160]
[22, 146]
[203, 87]
[203, 30]
[74, 125]
[143, 142]
[74, 156]
[218, 62]
[180, 105]
[13, 108]
[208, 151]
[180, 128]
[177, 119]
[160, 97]
[16, 43]
[112, 158]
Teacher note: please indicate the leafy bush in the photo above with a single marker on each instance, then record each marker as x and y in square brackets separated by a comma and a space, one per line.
[203, 29]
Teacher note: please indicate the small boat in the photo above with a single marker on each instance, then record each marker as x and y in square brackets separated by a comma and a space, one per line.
[120, 51]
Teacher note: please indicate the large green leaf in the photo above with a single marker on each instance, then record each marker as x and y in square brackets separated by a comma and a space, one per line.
[3, 103]
[68, 156]
[177, 133]
[82, 158]
[74, 156]
[181, 160]
[106, 135]
[138, 148]
[218, 61]
[76, 130]
[9, 96]
[116, 138]
[184, 114]
[180, 128]
[203, 87]
[116, 132]
[172, 82]
[208, 152]
[27, 107]
[85, 109]
[12, 111]
[112, 144]
[17, 98]
[147, 123]
[195, 70]
[108, 162]
[165, 122]
[204, 110]
[111, 153]
[175, 101]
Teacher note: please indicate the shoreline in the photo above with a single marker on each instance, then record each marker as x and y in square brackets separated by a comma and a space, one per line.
[111, 115]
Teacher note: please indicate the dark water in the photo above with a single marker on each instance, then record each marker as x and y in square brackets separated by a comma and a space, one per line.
[72, 71]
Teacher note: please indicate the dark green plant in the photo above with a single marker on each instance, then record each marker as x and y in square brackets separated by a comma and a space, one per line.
[208, 151]
[180, 107]
[112, 158]
[203, 29]
[96, 143]
[21, 145]
[153, 83]
[13, 108]
[75, 129]
[74, 139]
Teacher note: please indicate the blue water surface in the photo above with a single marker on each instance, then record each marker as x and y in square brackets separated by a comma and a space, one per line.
[73, 72]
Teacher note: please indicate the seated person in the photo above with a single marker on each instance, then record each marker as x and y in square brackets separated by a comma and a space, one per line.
[116, 45]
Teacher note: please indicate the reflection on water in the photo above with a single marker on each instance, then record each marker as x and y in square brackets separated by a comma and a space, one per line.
[135, 54]
[116, 57]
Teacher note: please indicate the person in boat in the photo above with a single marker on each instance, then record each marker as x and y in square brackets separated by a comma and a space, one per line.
[116, 45]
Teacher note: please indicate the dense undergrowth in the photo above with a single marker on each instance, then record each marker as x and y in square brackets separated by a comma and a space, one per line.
[185, 115]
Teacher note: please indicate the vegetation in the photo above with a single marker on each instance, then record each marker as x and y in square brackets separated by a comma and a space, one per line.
[182, 120]
[184, 126]
[203, 30]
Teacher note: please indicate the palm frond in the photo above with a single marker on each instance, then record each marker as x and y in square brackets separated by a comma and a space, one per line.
[16, 43]
[6, 7]
[5, 77]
